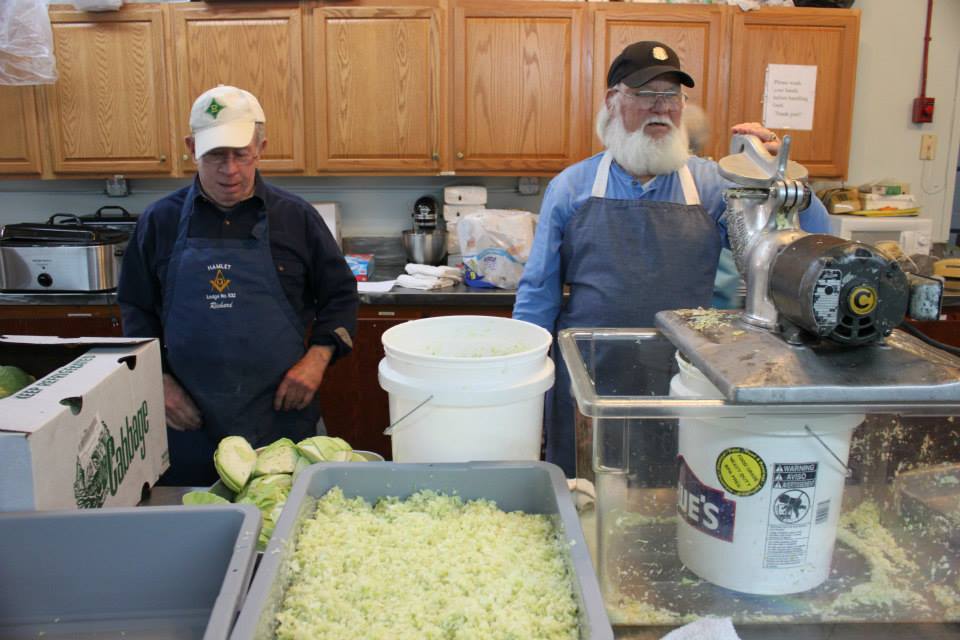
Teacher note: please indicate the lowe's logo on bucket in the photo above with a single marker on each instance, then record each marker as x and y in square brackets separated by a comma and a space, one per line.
[703, 507]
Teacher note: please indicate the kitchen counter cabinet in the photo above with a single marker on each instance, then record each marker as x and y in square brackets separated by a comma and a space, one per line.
[945, 330]
[66, 321]
[109, 111]
[255, 48]
[378, 86]
[20, 143]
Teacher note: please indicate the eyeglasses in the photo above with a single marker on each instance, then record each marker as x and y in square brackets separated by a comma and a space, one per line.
[220, 157]
[671, 100]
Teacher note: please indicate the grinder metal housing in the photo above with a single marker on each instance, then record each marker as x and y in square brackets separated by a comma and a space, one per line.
[810, 299]
[846, 291]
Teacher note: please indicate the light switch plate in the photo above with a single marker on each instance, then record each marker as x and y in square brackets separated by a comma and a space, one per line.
[928, 146]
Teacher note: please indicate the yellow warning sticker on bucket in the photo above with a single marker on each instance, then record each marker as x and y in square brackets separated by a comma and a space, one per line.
[741, 471]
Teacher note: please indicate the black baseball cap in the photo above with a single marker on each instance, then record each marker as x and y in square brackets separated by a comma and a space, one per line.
[641, 62]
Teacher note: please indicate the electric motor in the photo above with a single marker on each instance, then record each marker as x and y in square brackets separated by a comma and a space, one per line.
[838, 289]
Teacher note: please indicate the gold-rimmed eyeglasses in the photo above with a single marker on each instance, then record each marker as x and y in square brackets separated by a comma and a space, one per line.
[220, 157]
[671, 100]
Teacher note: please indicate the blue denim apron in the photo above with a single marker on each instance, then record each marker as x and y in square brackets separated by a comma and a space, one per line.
[625, 260]
[231, 336]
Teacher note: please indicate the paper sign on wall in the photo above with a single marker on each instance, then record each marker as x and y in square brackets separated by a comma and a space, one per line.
[789, 93]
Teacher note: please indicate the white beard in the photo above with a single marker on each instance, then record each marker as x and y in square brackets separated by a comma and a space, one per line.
[637, 152]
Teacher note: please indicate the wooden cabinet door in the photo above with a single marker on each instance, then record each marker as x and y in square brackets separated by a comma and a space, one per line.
[108, 112]
[377, 87]
[825, 38]
[696, 33]
[354, 405]
[256, 49]
[518, 86]
[19, 145]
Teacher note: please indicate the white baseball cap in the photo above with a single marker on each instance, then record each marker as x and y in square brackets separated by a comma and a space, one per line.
[224, 117]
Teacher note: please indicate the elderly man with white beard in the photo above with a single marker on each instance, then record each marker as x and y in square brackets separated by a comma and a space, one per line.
[633, 230]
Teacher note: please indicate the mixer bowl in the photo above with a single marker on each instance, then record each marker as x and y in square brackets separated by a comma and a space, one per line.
[425, 247]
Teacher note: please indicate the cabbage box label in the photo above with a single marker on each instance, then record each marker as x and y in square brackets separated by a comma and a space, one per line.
[103, 461]
[54, 377]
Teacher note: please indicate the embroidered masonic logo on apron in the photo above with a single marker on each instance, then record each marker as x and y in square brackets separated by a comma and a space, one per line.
[220, 283]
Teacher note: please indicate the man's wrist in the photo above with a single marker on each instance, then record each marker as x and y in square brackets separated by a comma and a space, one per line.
[322, 351]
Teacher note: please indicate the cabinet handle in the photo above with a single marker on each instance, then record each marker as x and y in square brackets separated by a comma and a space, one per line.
[460, 155]
[163, 158]
[388, 314]
[79, 315]
[436, 156]
[185, 157]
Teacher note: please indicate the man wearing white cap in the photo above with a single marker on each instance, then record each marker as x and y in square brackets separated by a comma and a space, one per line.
[633, 230]
[232, 275]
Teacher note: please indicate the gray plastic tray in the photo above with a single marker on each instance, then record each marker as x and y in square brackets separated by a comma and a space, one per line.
[532, 487]
[148, 572]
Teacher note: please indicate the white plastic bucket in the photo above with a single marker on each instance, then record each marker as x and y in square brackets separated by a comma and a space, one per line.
[485, 378]
[758, 498]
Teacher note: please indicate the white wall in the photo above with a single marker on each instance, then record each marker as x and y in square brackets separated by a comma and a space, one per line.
[885, 143]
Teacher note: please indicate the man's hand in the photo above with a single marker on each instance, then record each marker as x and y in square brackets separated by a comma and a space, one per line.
[770, 140]
[298, 387]
[182, 412]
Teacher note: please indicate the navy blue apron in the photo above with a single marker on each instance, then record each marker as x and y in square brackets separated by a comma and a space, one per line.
[625, 260]
[231, 336]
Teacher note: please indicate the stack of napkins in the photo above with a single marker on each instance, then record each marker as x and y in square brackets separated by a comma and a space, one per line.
[427, 277]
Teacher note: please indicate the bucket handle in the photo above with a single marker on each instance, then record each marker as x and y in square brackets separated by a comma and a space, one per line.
[849, 473]
[389, 431]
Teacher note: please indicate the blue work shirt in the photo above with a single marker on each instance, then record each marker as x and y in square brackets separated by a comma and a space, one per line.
[313, 273]
[540, 292]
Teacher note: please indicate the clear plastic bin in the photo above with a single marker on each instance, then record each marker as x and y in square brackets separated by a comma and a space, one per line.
[896, 554]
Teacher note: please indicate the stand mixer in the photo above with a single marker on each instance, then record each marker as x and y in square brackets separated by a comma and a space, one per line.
[426, 243]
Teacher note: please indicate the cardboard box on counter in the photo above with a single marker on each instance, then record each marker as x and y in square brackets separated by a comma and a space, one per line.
[90, 431]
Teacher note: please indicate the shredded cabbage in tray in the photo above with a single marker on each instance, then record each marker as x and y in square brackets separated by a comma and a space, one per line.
[431, 566]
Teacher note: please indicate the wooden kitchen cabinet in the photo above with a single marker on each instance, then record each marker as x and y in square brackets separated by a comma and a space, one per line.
[418, 87]
[698, 35]
[518, 86]
[825, 38]
[254, 48]
[355, 408]
[378, 86]
[66, 321]
[20, 143]
[109, 111]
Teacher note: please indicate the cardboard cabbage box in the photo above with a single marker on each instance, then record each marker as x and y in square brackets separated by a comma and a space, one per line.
[90, 432]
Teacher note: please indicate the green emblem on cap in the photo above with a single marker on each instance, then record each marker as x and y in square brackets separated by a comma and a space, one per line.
[215, 108]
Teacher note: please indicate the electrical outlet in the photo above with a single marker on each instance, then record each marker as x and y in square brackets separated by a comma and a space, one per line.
[528, 186]
[117, 187]
[928, 146]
